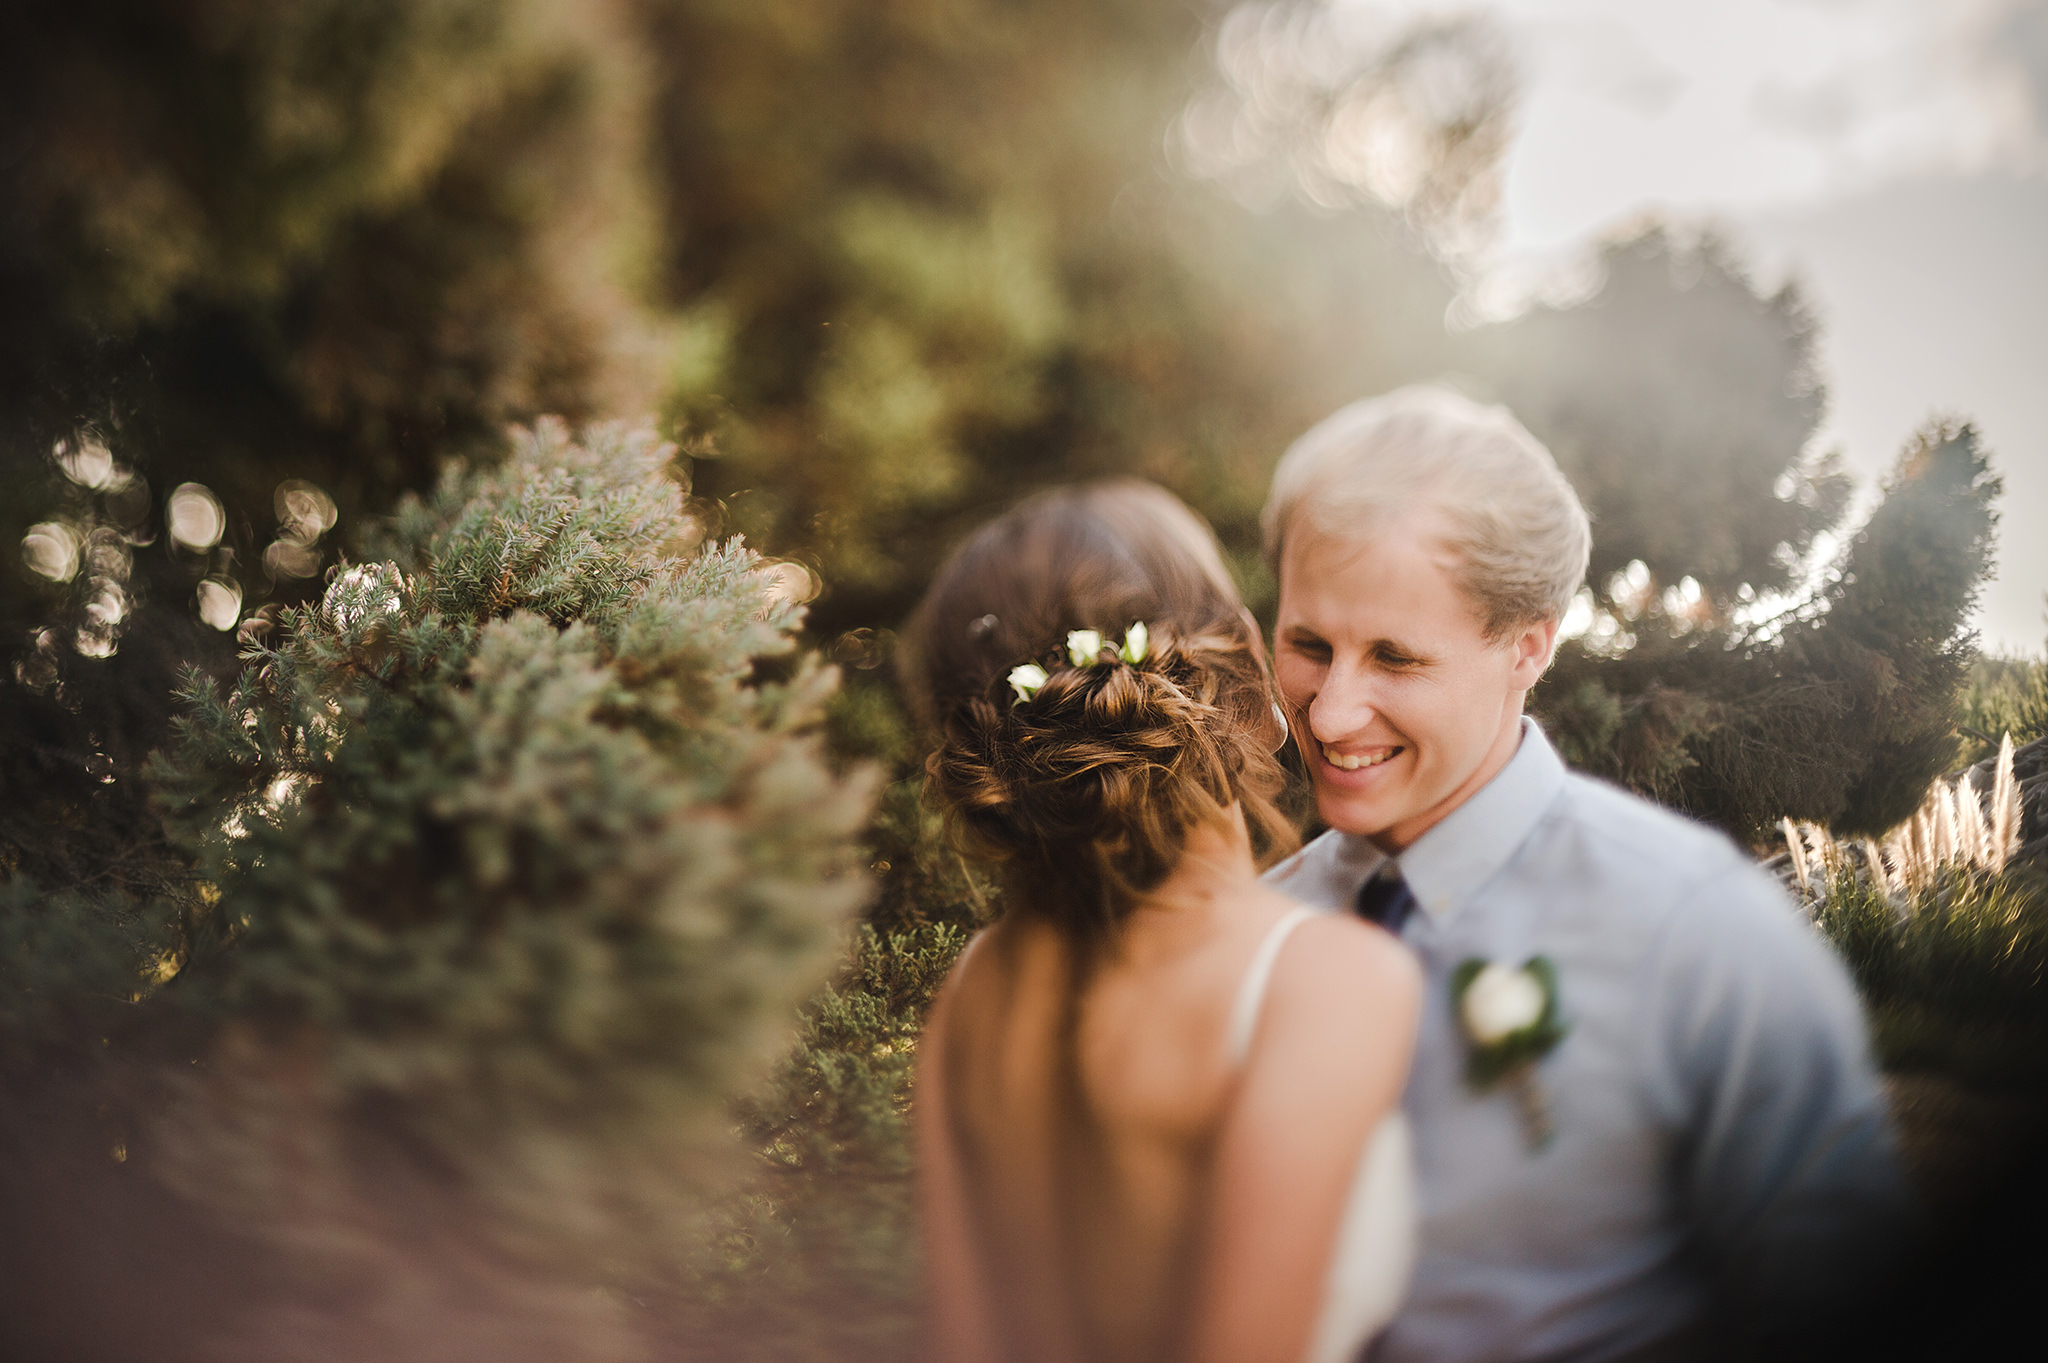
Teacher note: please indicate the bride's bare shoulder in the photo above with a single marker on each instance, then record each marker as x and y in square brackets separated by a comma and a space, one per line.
[1335, 953]
[1341, 1008]
[992, 962]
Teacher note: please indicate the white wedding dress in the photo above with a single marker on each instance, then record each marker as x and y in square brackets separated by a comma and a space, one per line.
[1376, 1240]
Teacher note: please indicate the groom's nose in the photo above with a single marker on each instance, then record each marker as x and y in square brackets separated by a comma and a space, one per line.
[1344, 705]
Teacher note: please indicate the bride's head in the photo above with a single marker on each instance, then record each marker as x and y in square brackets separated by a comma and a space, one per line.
[1085, 789]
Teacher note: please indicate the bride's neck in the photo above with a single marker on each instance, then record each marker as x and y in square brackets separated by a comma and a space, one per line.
[1215, 863]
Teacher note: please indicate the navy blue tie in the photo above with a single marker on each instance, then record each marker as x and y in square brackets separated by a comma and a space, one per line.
[1386, 899]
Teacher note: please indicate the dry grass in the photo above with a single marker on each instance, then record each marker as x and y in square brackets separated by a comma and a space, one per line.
[1955, 829]
[1947, 938]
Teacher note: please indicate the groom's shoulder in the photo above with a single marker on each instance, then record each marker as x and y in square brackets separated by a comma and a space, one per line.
[1656, 858]
[1603, 812]
[1323, 873]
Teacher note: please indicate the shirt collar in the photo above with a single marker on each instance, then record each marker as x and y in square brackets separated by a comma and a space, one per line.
[1448, 864]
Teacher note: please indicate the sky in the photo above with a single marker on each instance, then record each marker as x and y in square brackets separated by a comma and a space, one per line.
[1891, 156]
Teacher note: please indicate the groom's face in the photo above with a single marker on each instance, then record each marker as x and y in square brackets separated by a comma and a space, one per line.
[1408, 707]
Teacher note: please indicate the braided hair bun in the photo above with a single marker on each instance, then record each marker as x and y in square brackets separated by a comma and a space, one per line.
[1084, 791]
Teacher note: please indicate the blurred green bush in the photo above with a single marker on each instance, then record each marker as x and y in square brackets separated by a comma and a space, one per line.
[511, 860]
[1952, 977]
[2003, 695]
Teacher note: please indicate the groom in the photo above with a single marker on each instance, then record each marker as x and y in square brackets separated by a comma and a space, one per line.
[1672, 1120]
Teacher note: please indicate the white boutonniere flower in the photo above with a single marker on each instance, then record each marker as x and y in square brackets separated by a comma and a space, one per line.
[1509, 1017]
[1499, 1002]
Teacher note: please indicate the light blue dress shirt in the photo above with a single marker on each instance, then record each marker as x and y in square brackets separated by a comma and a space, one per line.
[1720, 1136]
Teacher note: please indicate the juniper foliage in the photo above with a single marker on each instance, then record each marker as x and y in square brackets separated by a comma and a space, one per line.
[512, 858]
[509, 828]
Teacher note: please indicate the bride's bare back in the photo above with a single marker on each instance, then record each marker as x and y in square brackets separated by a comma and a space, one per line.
[1125, 1190]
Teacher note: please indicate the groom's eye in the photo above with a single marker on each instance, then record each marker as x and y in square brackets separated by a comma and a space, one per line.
[1309, 647]
[1395, 659]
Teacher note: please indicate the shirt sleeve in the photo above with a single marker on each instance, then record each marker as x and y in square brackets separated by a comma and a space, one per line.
[1786, 1167]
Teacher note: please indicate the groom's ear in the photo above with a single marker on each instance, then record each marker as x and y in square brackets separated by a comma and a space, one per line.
[1533, 646]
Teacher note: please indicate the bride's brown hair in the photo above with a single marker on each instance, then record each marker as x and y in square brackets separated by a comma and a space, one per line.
[1084, 794]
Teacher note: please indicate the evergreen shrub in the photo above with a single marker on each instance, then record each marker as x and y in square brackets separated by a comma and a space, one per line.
[1837, 709]
[512, 858]
[509, 828]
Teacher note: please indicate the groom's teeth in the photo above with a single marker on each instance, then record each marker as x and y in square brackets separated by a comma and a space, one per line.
[1348, 762]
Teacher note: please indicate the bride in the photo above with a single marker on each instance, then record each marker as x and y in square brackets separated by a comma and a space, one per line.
[1156, 1102]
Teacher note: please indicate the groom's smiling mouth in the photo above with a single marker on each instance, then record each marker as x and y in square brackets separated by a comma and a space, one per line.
[1357, 761]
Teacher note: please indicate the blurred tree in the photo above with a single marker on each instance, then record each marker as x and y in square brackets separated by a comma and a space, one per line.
[1711, 674]
[249, 243]
[978, 276]
[1683, 405]
[1840, 708]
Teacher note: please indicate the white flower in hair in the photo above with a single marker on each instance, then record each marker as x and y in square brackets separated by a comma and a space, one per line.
[1025, 679]
[1137, 642]
[1084, 647]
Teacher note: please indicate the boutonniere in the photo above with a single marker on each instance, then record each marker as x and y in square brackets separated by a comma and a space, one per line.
[1509, 1018]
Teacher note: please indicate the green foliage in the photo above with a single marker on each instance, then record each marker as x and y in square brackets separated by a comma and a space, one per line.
[513, 842]
[483, 886]
[1953, 978]
[818, 1258]
[975, 279]
[2002, 696]
[1839, 710]
[248, 244]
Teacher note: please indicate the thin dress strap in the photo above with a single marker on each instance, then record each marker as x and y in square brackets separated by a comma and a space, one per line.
[1251, 995]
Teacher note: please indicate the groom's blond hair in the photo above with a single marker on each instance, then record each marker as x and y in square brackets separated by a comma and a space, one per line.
[1516, 525]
